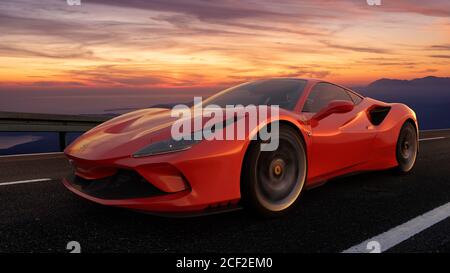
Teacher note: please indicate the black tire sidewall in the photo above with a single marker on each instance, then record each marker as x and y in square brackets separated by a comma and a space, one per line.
[402, 165]
[249, 174]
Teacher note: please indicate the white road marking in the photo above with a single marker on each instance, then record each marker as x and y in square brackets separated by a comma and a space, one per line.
[405, 231]
[436, 130]
[431, 138]
[24, 181]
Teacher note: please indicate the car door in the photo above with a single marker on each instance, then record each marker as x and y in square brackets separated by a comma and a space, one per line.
[340, 140]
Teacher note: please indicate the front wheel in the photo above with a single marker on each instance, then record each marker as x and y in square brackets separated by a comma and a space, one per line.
[407, 148]
[273, 180]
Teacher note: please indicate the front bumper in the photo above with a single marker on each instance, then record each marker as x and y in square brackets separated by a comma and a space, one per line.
[203, 179]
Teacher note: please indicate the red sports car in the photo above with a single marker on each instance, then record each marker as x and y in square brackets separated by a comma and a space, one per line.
[325, 131]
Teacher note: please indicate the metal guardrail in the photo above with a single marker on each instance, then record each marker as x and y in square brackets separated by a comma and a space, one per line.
[61, 124]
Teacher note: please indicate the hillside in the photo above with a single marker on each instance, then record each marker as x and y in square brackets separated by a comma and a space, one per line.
[429, 97]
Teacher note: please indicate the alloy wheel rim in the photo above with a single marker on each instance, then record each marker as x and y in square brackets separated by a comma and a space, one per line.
[280, 175]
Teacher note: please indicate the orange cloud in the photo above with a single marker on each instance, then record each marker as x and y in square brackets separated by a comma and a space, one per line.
[189, 43]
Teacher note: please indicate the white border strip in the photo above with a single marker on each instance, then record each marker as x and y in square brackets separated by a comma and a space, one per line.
[431, 138]
[435, 130]
[24, 181]
[36, 154]
[403, 232]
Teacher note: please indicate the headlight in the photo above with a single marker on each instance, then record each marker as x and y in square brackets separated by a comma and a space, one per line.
[171, 145]
[165, 146]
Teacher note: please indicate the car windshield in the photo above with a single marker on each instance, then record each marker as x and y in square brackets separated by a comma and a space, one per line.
[282, 92]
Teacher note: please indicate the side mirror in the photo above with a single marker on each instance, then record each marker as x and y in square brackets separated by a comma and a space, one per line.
[335, 106]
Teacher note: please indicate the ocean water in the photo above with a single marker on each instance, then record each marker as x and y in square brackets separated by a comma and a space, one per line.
[12, 143]
[108, 102]
[428, 97]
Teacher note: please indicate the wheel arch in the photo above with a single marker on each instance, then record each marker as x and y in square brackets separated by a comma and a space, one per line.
[414, 123]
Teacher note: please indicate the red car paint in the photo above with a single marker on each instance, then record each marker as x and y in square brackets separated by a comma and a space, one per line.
[208, 174]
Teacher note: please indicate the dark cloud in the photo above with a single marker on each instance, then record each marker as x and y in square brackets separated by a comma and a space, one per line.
[382, 59]
[57, 53]
[428, 71]
[440, 56]
[356, 48]
[436, 8]
[117, 75]
[114, 75]
[202, 9]
[73, 30]
[56, 83]
[184, 22]
[305, 71]
[440, 47]
[305, 9]
[410, 64]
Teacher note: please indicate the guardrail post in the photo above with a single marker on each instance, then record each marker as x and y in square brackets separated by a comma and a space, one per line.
[62, 141]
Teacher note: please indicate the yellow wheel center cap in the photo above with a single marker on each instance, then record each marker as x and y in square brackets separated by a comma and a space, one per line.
[277, 170]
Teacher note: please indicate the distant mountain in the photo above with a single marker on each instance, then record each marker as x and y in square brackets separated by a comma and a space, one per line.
[429, 97]
[424, 82]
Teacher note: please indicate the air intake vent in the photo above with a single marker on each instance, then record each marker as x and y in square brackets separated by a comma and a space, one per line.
[122, 185]
[378, 113]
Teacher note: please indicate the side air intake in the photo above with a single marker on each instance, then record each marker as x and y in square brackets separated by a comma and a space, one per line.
[378, 113]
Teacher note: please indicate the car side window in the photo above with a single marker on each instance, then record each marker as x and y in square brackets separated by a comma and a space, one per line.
[356, 98]
[322, 94]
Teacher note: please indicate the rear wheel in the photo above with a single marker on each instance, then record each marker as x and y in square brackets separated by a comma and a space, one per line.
[273, 180]
[407, 147]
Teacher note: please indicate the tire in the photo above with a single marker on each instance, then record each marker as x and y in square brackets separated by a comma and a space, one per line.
[273, 180]
[407, 148]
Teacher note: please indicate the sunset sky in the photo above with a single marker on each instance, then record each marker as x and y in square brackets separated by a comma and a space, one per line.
[132, 44]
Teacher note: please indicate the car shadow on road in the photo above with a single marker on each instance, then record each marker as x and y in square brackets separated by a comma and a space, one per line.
[334, 209]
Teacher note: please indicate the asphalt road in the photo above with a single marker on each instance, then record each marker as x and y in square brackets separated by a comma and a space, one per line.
[43, 216]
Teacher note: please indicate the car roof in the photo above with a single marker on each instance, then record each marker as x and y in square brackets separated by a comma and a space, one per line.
[295, 78]
[315, 80]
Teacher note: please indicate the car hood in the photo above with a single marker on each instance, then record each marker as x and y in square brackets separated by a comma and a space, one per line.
[124, 135]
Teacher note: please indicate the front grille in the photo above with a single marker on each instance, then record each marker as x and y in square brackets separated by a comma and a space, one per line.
[124, 184]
